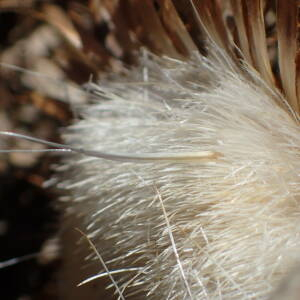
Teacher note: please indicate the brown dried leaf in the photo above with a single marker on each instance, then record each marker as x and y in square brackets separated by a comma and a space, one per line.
[287, 14]
[148, 28]
[257, 38]
[120, 29]
[8, 4]
[60, 20]
[239, 13]
[211, 18]
[176, 29]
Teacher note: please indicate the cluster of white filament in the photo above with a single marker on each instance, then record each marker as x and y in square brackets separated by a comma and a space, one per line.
[211, 211]
[223, 227]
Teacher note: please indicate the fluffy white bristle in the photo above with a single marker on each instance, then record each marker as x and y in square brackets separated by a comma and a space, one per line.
[231, 224]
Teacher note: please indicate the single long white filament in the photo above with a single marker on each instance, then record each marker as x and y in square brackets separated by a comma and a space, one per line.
[125, 157]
